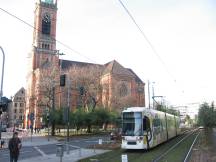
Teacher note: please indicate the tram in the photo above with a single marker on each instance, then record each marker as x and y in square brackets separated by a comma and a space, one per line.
[144, 128]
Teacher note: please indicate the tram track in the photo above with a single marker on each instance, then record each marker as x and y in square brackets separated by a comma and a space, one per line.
[164, 145]
[189, 152]
[153, 154]
[138, 154]
[153, 150]
[185, 143]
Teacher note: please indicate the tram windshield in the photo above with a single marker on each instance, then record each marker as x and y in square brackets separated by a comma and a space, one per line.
[132, 124]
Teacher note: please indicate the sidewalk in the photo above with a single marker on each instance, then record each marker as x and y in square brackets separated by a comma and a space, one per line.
[74, 156]
[34, 141]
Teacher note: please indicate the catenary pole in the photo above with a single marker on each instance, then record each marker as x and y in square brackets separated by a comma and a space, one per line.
[2, 78]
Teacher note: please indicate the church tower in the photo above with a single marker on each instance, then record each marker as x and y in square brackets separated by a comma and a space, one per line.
[42, 56]
[44, 38]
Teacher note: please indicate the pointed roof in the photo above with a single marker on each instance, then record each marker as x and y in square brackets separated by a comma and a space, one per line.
[66, 64]
[112, 67]
[49, 1]
[136, 76]
[115, 68]
[20, 92]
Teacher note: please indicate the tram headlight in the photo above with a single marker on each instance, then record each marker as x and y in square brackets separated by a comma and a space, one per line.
[139, 138]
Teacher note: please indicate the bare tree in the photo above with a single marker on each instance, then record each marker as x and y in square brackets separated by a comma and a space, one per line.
[86, 80]
[47, 81]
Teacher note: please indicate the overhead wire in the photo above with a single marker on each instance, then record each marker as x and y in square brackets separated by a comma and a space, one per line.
[148, 41]
[77, 52]
[146, 38]
[60, 42]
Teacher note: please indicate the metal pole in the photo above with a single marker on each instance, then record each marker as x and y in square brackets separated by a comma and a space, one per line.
[80, 153]
[1, 91]
[149, 95]
[2, 77]
[153, 96]
[68, 110]
[48, 134]
[53, 108]
[166, 122]
[68, 106]
[31, 129]
[53, 98]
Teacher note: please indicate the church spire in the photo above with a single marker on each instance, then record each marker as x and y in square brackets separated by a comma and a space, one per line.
[44, 37]
[48, 1]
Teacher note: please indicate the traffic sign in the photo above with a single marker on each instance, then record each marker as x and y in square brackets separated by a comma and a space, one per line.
[124, 158]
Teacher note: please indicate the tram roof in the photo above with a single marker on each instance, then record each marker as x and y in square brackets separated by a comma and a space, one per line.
[141, 109]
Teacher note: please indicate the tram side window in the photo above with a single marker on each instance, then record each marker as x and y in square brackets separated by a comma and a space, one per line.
[156, 122]
[146, 124]
[161, 125]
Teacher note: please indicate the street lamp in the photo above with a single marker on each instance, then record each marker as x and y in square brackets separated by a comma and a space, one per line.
[153, 95]
[2, 77]
[149, 96]
[1, 91]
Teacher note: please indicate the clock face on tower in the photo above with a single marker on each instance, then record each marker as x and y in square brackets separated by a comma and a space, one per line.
[46, 24]
[46, 17]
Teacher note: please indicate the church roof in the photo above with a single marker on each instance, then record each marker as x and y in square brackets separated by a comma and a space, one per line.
[112, 67]
[66, 64]
[115, 68]
[136, 76]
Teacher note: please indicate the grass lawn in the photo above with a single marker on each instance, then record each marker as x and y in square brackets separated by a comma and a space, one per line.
[179, 153]
[142, 155]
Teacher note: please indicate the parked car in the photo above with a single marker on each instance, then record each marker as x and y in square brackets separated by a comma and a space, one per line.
[201, 127]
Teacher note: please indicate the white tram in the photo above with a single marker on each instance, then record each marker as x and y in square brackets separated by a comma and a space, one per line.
[144, 128]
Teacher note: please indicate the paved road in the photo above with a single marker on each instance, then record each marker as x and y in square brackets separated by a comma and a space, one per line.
[26, 152]
[34, 151]
[85, 142]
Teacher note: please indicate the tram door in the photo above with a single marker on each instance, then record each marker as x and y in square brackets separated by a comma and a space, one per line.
[147, 130]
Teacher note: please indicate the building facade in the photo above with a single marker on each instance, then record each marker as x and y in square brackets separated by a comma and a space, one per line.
[43, 60]
[16, 109]
[87, 85]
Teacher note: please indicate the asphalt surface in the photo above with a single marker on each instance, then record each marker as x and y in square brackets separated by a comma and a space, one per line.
[25, 152]
[34, 151]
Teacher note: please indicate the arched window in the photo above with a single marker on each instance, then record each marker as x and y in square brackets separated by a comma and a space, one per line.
[123, 90]
[46, 24]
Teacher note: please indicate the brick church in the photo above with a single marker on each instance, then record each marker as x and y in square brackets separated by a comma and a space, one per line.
[85, 85]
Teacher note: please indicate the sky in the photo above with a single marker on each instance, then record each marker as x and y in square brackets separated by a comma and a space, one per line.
[182, 32]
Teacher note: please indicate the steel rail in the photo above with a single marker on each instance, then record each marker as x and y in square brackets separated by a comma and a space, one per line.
[189, 152]
[174, 146]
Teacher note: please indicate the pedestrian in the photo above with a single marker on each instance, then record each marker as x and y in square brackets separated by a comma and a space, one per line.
[14, 128]
[14, 147]
[2, 143]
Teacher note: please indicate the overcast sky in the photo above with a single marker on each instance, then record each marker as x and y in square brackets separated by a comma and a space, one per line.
[182, 32]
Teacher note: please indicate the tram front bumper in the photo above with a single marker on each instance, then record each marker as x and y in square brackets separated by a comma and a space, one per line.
[133, 143]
